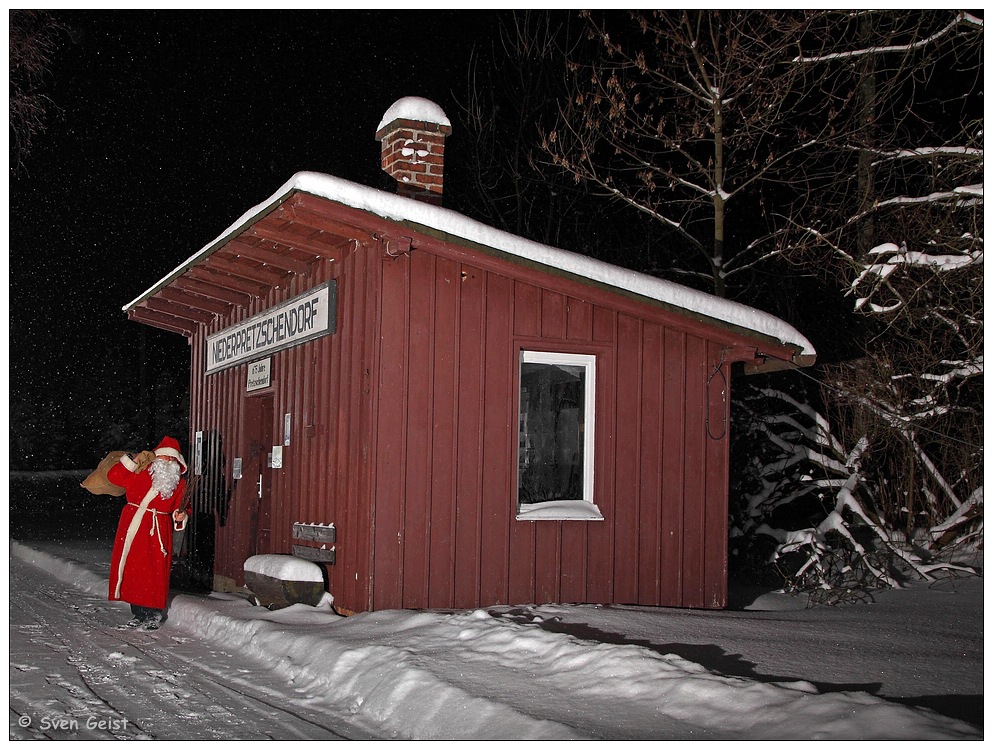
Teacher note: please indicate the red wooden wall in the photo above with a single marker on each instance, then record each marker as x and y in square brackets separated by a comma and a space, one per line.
[403, 435]
[452, 326]
[325, 385]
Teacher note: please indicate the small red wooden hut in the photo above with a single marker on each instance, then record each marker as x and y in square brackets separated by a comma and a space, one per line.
[445, 415]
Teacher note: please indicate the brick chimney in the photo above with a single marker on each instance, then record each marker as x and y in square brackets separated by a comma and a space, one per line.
[412, 133]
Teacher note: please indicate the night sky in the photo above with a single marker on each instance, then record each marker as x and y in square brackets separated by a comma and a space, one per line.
[163, 128]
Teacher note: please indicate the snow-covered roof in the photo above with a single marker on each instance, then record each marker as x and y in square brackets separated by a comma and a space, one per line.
[399, 208]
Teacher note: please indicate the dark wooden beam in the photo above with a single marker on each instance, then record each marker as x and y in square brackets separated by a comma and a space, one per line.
[252, 288]
[312, 211]
[269, 257]
[243, 271]
[157, 320]
[321, 249]
[178, 310]
[207, 287]
[195, 301]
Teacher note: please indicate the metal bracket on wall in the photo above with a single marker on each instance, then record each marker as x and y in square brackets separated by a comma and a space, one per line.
[399, 246]
[315, 532]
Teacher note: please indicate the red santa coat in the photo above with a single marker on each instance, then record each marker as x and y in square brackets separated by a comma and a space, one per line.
[142, 557]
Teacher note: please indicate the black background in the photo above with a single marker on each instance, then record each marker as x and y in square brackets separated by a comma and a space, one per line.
[162, 129]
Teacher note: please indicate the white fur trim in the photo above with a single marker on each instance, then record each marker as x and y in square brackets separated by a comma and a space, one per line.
[128, 463]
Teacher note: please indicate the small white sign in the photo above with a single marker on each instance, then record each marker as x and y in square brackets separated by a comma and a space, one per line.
[259, 375]
[277, 457]
[198, 454]
[286, 429]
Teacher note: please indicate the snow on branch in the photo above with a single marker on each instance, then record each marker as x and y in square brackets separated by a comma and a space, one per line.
[901, 257]
[855, 545]
[963, 19]
[928, 152]
[960, 370]
[963, 513]
[851, 560]
[943, 196]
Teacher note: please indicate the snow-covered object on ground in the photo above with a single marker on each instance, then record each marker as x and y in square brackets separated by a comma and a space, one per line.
[512, 673]
[279, 581]
[284, 568]
[398, 208]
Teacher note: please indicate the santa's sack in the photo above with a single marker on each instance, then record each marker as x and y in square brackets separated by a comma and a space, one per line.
[97, 482]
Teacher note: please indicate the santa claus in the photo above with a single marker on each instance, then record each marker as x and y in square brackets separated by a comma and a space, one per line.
[142, 556]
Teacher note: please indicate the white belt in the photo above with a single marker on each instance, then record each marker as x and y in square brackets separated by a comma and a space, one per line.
[155, 530]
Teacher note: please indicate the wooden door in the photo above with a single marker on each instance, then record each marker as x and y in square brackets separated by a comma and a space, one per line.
[257, 471]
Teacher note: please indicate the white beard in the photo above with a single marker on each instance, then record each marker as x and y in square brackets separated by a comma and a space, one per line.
[165, 476]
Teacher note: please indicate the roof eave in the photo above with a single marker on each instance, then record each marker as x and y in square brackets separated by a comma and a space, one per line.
[766, 363]
[791, 353]
[251, 217]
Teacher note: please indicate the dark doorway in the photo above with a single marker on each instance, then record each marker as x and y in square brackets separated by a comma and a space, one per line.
[257, 473]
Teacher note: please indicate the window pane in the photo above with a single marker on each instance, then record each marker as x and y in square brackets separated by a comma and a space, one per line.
[552, 425]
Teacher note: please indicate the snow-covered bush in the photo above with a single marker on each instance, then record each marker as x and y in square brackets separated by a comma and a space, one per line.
[838, 516]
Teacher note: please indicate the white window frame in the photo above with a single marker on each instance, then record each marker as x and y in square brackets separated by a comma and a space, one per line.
[563, 510]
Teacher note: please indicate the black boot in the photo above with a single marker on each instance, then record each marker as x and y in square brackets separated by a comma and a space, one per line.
[145, 618]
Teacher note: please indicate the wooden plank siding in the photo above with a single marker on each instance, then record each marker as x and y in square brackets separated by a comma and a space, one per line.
[452, 327]
[673, 467]
[444, 429]
[347, 464]
[468, 446]
[326, 470]
[404, 435]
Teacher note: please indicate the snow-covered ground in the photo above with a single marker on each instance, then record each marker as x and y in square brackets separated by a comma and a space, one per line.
[908, 666]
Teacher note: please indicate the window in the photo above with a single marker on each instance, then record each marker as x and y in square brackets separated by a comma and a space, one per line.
[555, 437]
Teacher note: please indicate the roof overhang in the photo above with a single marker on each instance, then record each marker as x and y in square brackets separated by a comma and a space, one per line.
[292, 231]
[261, 252]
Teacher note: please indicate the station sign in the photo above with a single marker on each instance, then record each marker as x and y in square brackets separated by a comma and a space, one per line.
[303, 318]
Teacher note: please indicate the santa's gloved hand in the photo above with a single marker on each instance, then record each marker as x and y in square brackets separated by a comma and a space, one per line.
[144, 460]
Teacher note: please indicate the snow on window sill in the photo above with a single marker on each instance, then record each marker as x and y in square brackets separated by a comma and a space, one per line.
[559, 510]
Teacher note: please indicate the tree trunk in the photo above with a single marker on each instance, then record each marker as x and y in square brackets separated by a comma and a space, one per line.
[866, 139]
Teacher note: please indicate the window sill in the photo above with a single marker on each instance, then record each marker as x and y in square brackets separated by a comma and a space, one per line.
[559, 510]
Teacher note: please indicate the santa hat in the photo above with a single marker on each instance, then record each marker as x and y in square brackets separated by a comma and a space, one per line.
[170, 447]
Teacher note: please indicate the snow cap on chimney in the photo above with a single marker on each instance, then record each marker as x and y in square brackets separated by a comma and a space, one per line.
[412, 133]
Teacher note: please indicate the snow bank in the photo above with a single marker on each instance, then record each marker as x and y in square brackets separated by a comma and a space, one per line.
[72, 573]
[476, 675]
[364, 668]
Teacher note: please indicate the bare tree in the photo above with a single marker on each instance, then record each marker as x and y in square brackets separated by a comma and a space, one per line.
[34, 40]
[847, 143]
[512, 93]
[700, 120]
[903, 235]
